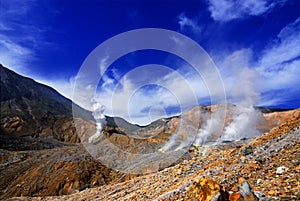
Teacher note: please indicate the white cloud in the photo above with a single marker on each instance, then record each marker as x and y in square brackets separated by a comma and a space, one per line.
[226, 10]
[14, 55]
[280, 61]
[239, 77]
[4, 27]
[19, 38]
[142, 95]
[285, 48]
[275, 75]
[64, 87]
[188, 23]
[103, 64]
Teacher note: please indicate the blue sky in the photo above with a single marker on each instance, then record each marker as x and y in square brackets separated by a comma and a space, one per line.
[255, 45]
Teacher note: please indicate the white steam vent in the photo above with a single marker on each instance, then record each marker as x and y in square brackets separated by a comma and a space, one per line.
[243, 124]
[214, 124]
[245, 117]
[98, 110]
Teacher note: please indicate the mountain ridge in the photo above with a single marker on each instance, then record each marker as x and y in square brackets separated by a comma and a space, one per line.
[31, 111]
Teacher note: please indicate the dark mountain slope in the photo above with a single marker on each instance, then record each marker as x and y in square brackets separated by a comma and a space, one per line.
[23, 96]
[35, 116]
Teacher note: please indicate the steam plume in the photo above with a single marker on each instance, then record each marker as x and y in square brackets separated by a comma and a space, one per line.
[183, 137]
[98, 110]
[169, 144]
[213, 125]
[243, 124]
[245, 117]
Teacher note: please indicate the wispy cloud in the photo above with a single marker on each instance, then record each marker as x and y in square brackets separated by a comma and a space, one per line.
[13, 54]
[226, 10]
[284, 49]
[276, 71]
[4, 27]
[186, 23]
[20, 36]
[144, 96]
[239, 77]
[63, 86]
[280, 61]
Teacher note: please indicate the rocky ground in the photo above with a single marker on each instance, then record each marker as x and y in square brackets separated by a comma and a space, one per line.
[264, 168]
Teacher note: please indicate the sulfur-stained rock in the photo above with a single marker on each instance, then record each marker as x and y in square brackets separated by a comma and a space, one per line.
[205, 189]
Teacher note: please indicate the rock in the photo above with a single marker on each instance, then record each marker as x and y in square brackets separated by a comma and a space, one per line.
[259, 195]
[272, 192]
[206, 189]
[235, 197]
[241, 180]
[279, 147]
[248, 150]
[260, 161]
[281, 170]
[57, 172]
[259, 181]
[246, 192]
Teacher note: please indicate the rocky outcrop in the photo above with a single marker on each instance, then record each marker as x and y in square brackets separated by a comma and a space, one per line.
[205, 189]
[53, 131]
[57, 171]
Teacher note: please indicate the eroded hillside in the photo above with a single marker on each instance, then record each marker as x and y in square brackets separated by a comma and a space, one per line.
[269, 163]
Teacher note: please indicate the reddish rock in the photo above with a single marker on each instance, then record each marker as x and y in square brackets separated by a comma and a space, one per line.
[235, 197]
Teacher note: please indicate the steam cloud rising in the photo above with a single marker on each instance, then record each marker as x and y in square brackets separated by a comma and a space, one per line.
[245, 117]
[214, 124]
[243, 124]
[98, 110]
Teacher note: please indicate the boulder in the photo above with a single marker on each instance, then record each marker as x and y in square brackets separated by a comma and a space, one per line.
[205, 189]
